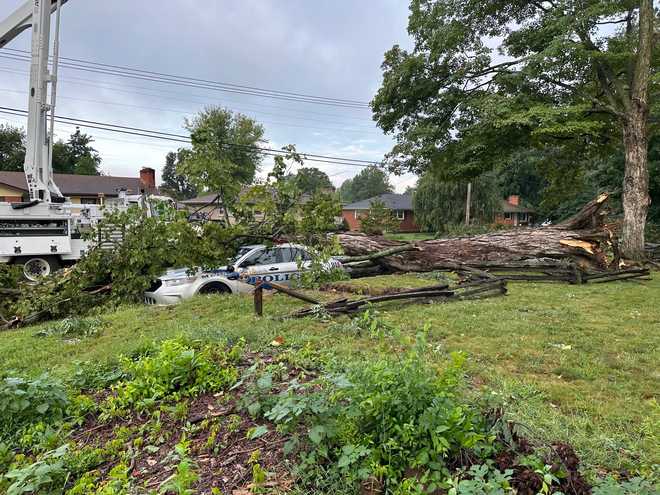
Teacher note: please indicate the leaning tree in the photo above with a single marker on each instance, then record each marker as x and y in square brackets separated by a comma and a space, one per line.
[486, 79]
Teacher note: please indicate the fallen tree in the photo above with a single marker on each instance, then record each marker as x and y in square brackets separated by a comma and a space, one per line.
[580, 248]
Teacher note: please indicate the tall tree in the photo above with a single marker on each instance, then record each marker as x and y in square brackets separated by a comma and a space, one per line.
[439, 203]
[175, 184]
[224, 157]
[574, 75]
[76, 156]
[311, 180]
[371, 181]
[84, 157]
[12, 148]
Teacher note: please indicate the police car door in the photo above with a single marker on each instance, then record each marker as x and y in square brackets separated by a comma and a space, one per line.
[289, 269]
[262, 265]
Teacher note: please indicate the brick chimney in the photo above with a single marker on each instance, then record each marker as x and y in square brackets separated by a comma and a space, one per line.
[148, 178]
[514, 200]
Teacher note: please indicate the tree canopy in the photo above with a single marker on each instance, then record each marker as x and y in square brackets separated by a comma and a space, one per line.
[75, 156]
[175, 184]
[371, 181]
[439, 204]
[311, 180]
[486, 80]
[12, 149]
[224, 157]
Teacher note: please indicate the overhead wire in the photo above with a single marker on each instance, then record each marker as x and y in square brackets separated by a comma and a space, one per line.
[185, 112]
[167, 136]
[198, 83]
[203, 99]
[207, 81]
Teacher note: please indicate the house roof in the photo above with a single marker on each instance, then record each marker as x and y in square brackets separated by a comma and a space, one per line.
[207, 199]
[79, 185]
[507, 207]
[392, 201]
[204, 199]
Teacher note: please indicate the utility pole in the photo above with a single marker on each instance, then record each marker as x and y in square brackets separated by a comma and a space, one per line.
[467, 203]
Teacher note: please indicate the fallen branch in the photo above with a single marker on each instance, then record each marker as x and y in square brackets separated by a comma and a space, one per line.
[485, 286]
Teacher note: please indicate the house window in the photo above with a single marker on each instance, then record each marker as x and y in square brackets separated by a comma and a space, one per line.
[522, 217]
[89, 201]
[508, 216]
[401, 214]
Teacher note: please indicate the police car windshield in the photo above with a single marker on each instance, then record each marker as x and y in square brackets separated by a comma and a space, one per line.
[241, 252]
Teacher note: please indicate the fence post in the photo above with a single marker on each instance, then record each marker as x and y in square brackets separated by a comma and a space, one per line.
[258, 300]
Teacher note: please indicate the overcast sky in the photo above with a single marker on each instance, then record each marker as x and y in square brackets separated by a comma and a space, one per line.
[330, 48]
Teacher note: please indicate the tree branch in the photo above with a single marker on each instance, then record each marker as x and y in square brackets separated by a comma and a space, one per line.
[606, 76]
[609, 108]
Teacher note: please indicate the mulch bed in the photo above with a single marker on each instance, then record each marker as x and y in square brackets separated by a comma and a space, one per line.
[223, 462]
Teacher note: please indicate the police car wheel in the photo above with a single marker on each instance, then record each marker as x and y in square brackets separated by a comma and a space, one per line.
[215, 288]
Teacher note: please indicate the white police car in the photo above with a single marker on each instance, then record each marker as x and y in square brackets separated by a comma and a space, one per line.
[277, 264]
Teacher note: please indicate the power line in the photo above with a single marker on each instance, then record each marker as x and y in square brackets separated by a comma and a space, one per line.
[179, 138]
[206, 81]
[184, 112]
[195, 83]
[160, 92]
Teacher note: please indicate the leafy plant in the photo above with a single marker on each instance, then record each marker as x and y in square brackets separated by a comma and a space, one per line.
[46, 472]
[184, 478]
[73, 327]
[481, 480]
[383, 420]
[177, 369]
[634, 486]
[26, 402]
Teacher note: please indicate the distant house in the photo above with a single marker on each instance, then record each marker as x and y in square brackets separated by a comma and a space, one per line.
[513, 214]
[400, 204]
[81, 189]
[204, 207]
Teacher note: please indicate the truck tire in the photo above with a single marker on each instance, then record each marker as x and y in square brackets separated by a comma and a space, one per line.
[36, 267]
[214, 288]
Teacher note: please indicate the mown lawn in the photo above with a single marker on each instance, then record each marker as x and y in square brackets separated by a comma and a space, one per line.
[572, 363]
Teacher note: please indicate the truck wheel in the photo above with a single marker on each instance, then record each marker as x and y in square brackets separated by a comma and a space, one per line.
[38, 267]
[214, 288]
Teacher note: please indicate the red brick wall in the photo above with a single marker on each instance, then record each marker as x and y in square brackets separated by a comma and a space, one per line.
[407, 224]
[11, 199]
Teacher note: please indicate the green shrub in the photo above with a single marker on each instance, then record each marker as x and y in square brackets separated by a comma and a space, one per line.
[27, 402]
[73, 327]
[39, 477]
[395, 421]
[177, 369]
[634, 486]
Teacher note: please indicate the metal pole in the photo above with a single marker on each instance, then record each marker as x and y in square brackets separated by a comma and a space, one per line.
[467, 203]
[53, 81]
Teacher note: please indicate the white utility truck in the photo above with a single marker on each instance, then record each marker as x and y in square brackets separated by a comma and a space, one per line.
[44, 232]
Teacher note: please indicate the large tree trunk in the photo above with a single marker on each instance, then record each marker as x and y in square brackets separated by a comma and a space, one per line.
[583, 239]
[635, 138]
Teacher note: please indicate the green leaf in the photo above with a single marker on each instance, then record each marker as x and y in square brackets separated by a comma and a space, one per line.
[316, 434]
[256, 432]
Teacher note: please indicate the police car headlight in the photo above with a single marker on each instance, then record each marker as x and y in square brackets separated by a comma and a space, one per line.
[175, 282]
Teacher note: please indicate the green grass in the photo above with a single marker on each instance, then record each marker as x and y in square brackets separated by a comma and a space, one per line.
[574, 363]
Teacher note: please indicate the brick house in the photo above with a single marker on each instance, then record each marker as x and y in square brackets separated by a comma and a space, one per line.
[400, 204]
[81, 189]
[513, 214]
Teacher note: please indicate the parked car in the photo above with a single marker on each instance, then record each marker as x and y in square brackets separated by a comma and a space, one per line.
[281, 264]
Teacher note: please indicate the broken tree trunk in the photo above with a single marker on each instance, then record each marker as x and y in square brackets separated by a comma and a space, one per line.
[582, 239]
